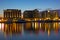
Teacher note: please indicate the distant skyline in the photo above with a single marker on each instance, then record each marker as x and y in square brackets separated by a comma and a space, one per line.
[29, 4]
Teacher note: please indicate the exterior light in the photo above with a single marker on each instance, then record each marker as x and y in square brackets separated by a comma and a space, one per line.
[59, 22]
[0, 20]
[54, 18]
[29, 20]
[21, 16]
[5, 20]
[47, 18]
[59, 19]
[48, 11]
[40, 19]
[35, 19]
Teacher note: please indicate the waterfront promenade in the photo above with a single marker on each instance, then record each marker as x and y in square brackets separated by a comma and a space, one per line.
[24, 21]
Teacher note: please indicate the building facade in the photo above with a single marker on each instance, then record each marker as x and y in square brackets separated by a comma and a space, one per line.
[49, 14]
[31, 14]
[55, 15]
[12, 13]
[45, 15]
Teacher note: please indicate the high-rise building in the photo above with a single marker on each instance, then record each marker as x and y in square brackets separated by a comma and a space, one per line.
[12, 13]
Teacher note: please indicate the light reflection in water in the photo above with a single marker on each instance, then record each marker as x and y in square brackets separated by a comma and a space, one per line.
[35, 25]
[14, 28]
[2, 26]
[48, 32]
[40, 25]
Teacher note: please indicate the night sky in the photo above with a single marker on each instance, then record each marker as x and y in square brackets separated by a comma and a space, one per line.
[29, 4]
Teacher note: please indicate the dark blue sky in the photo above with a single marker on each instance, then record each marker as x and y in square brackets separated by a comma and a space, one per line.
[29, 4]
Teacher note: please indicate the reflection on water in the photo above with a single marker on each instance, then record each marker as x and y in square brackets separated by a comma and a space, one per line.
[30, 28]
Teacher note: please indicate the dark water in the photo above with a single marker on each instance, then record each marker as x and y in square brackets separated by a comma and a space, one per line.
[30, 31]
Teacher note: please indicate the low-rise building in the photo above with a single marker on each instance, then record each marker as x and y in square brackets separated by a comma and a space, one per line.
[12, 13]
[31, 14]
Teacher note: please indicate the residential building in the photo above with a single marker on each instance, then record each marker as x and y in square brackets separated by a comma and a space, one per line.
[12, 13]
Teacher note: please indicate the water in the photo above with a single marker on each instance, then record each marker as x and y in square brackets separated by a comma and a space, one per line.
[30, 31]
